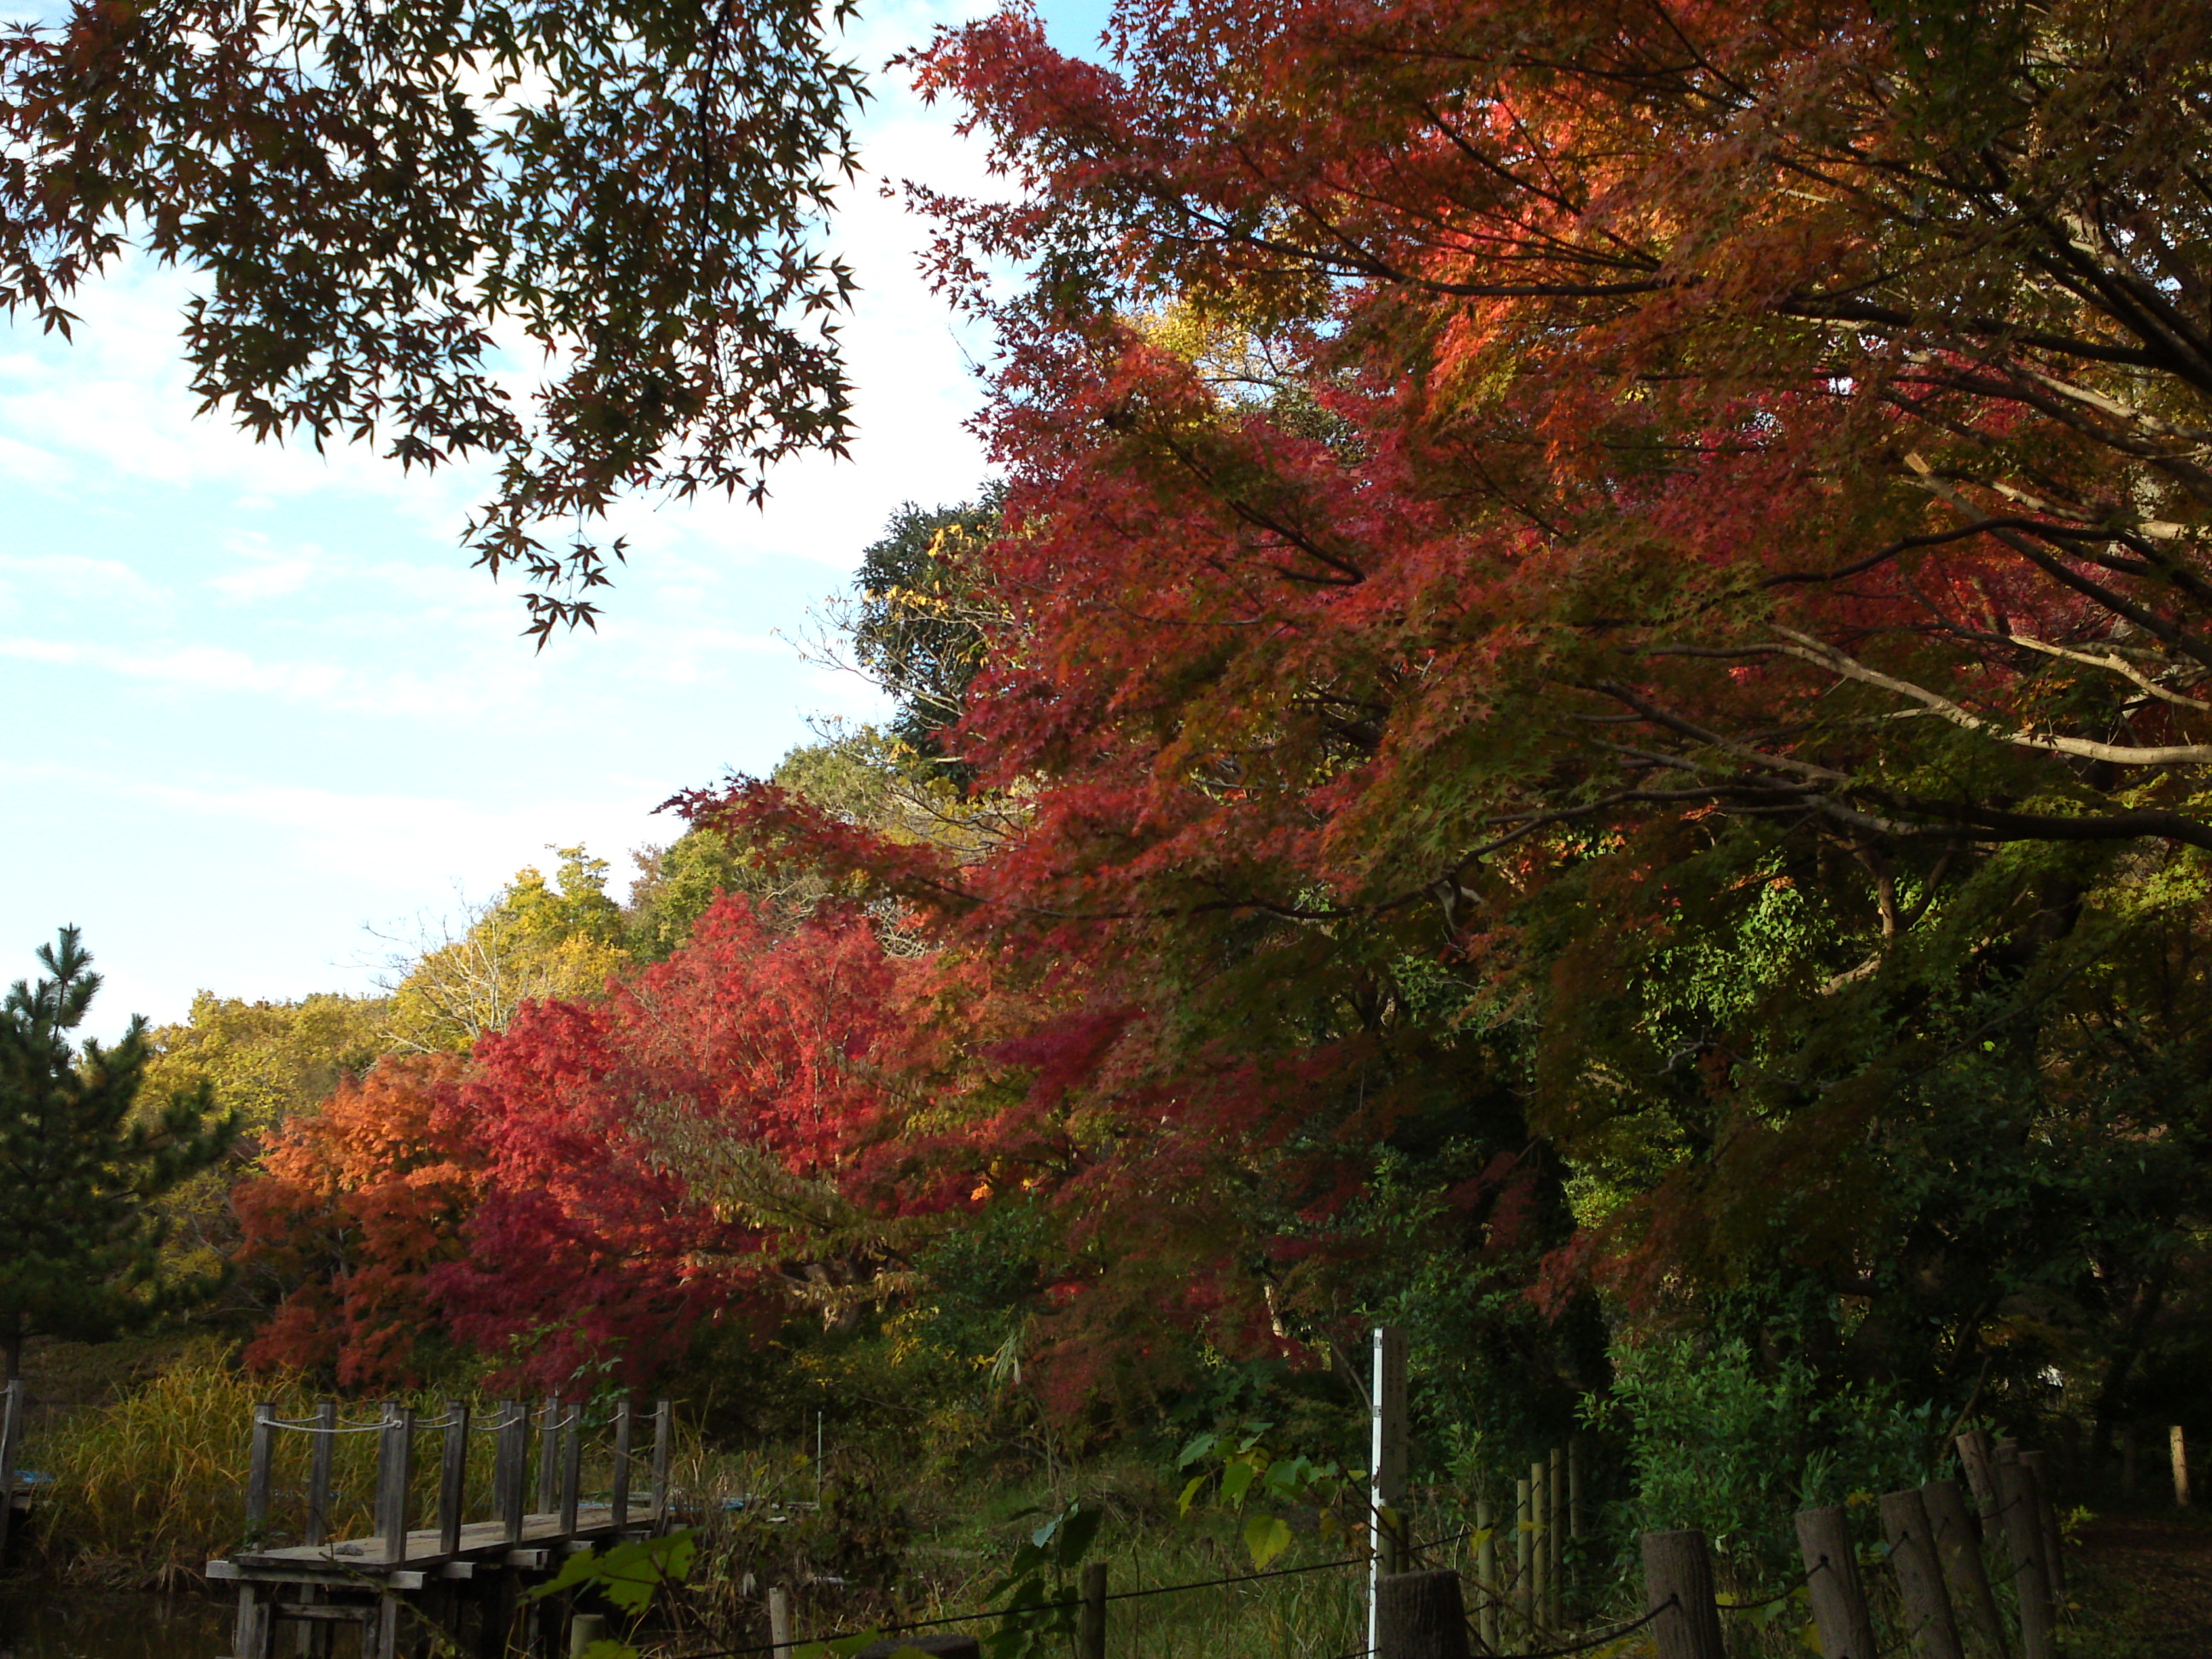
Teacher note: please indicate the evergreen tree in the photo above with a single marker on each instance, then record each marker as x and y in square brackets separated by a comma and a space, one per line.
[81, 1165]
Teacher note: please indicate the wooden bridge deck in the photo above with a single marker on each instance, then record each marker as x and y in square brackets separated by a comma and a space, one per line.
[481, 1542]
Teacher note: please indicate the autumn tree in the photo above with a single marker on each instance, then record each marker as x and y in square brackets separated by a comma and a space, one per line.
[82, 1163]
[1654, 555]
[634, 187]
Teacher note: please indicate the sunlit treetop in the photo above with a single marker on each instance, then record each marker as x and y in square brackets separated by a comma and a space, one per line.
[377, 199]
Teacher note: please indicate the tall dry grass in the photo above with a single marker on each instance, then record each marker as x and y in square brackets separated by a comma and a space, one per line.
[148, 1490]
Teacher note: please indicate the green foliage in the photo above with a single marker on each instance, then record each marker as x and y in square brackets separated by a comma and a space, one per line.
[535, 939]
[83, 1165]
[1037, 1615]
[674, 887]
[918, 631]
[1717, 1441]
[1252, 1479]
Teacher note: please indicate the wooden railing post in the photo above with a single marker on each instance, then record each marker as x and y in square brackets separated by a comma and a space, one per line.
[11, 1439]
[2023, 1547]
[510, 1481]
[1958, 1543]
[619, 1499]
[1090, 1618]
[1419, 1615]
[572, 1467]
[261, 1450]
[1928, 1616]
[1678, 1584]
[395, 1470]
[549, 1454]
[663, 1443]
[453, 1478]
[321, 1449]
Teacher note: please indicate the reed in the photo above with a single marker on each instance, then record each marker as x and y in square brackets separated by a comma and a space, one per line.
[146, 1492]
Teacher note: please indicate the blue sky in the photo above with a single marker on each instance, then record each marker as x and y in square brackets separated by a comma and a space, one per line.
[261, 711]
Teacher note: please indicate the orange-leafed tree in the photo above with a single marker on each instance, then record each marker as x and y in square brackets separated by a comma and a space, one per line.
[355, 1206]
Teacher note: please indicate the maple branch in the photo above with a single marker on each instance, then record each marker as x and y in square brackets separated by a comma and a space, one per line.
[1805, 649]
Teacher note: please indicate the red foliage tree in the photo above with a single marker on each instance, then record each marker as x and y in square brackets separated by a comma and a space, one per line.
[1618, 440]
[354, 1208]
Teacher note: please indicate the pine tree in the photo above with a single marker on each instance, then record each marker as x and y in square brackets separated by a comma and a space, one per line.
[81, 1163]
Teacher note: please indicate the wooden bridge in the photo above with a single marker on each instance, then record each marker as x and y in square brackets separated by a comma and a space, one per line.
[460, 1584]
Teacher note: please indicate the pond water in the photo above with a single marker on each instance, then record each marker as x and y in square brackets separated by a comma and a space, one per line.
[91, 1624]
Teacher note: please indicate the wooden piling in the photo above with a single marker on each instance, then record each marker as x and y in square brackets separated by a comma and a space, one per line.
[259, 1475]
[322, 1449]
[395, 1468]
[453, 1478]
[1678, 1584]
[618, 1498]
[572, 1466]
[1929, 1621]
[1958, 1545]
[11, 1440]
[1090, 1616]
[1419, 1616]
[1831, 1575]
[2023, 1547]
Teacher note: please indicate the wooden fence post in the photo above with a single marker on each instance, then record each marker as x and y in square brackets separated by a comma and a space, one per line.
[1386, 1464]
[1677, 1577]
[395, 1468]
[2177, 1446]
[2038, 1465]
[1555, 1532]
[1090, 1619]
[1832, 1575]
[320, 1455]
[1419, 1615]
[1486, 1572]
[453, 1478]
[1539, 1587]
[1973, 1447]
[11, 1438]
[261, 1451]
[1904, 1523]
[618, 1498]
[779, 1622]
[1524, 1549]
[2024, 1546]
[1958, 1543]
[664, 1442]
